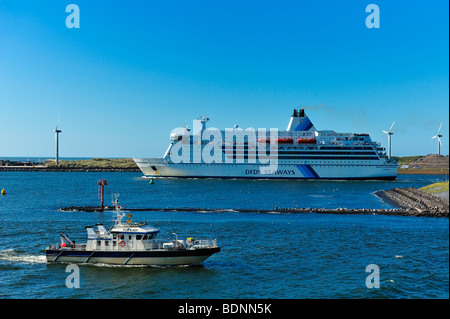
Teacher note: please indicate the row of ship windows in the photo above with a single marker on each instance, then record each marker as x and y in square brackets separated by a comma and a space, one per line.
[119, 237]
[305, 162]
[138, 237]
[326, 153]
[329, 158]
[283, 152]
[332, 148]
[312, 148]
[366, 158]
[284, 157]
[308, 153]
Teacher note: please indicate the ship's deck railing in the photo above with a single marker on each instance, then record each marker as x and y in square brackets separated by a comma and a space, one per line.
[75, 247]
[204, 243]
[154, 245]
[180, 244]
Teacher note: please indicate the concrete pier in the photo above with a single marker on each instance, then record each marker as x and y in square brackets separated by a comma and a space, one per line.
[416, 202]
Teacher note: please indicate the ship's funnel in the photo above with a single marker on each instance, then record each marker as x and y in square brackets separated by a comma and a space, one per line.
[300, 122]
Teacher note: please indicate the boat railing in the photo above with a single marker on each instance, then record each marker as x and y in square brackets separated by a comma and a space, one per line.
[180, 244]
[204, 243]
[73, 247]
[164, 245]
[153, 245]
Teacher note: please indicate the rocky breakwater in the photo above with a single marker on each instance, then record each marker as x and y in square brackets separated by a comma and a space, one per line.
[278, 210]
[416, 202]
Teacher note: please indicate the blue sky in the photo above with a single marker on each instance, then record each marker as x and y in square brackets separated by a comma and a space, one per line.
[135, 70]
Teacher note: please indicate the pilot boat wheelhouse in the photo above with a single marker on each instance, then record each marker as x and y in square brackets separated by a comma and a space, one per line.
[130, 244]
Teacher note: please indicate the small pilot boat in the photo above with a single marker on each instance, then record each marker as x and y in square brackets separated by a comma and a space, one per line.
[128, 243]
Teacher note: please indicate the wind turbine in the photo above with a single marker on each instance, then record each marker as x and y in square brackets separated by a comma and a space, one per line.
[389, 133]
[57, 142]
[439, 139]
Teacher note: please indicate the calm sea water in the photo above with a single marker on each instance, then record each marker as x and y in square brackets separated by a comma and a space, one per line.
[263, 255]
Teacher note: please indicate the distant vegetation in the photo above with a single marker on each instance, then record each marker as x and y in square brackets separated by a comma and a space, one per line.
[97, 163]
[436, 188]
[430, 164]
[407, 159]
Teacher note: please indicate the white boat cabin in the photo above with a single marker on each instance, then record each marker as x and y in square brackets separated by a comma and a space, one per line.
[120, 237]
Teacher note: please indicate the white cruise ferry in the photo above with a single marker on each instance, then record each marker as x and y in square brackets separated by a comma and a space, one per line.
[300, 152]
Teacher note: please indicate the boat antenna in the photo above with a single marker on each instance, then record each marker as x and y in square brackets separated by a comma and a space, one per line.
[117, 211]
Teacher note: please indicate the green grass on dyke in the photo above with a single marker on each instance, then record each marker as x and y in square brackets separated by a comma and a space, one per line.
[436, 188]
[97, 163]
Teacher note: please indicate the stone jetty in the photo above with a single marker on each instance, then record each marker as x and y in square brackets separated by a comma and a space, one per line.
[407, 202]
[415, 201]
[276, 210]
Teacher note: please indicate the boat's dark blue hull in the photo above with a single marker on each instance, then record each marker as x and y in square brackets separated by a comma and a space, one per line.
[153, 257]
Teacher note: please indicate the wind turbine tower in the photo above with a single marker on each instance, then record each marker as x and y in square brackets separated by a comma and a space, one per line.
[389, 133]
[57, 143]
[439, 139]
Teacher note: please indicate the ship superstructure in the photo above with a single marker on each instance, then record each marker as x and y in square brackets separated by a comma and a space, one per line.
[299, 152]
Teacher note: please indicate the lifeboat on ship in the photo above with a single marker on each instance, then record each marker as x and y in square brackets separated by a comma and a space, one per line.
[263, 140]
[306, 141]
[284, 140]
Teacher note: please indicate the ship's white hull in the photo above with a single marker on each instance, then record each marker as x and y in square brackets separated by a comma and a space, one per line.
[159, 168]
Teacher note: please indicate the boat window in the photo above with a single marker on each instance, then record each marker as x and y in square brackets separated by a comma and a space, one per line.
[99, 242]
[145, 237]
[106, 243]
[122, 236]
[138, 237]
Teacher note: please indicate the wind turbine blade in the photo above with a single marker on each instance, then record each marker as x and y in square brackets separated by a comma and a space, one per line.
[57, 122]
[439, 128]
[435, 136]
[392, 126]
[384, 132]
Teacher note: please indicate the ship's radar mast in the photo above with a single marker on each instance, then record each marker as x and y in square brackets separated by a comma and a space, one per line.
[119, 214]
